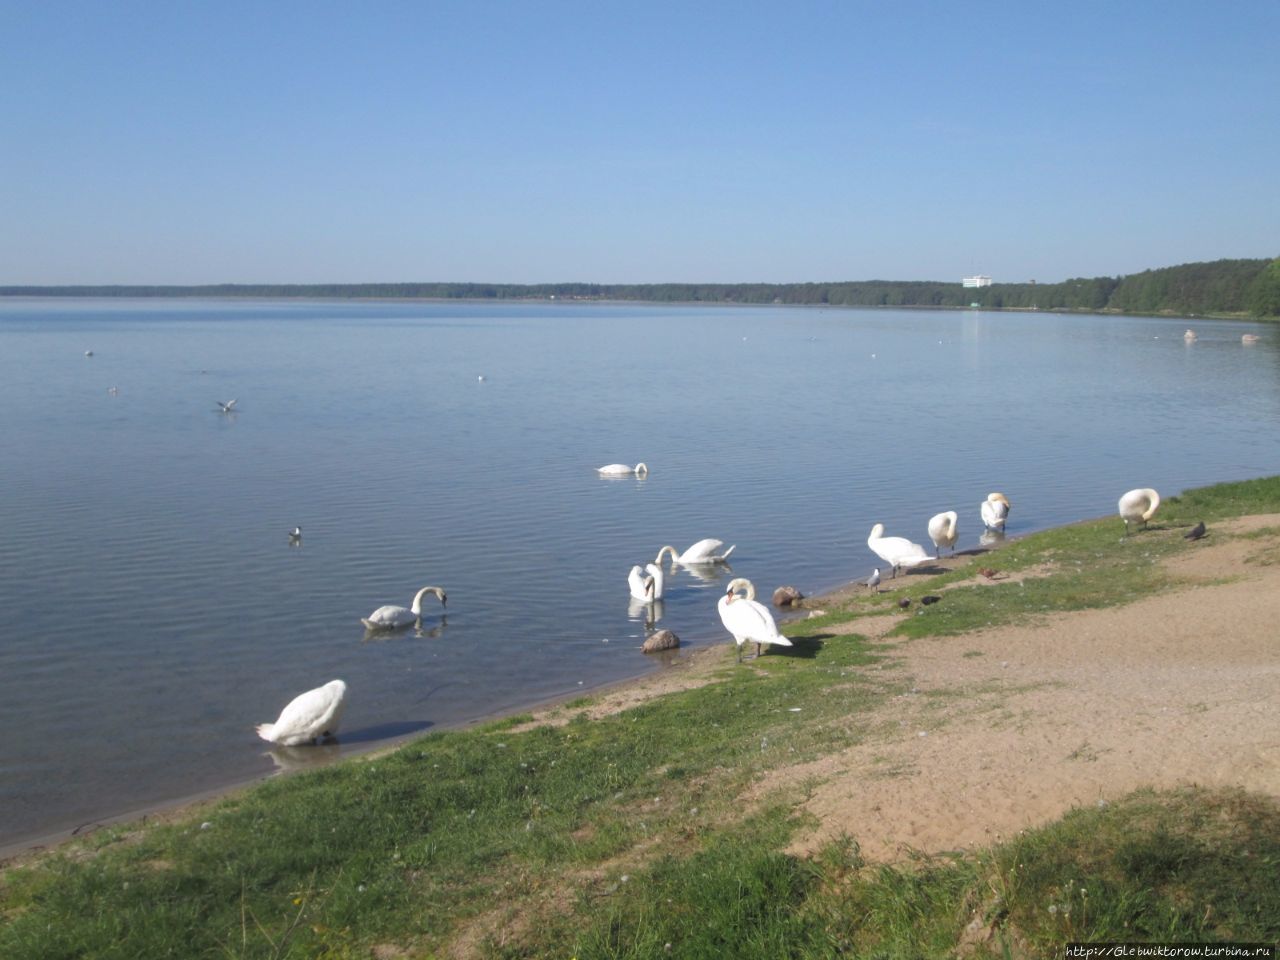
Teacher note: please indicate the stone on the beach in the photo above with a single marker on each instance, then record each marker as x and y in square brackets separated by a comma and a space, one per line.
[662, 640]
[786, 596]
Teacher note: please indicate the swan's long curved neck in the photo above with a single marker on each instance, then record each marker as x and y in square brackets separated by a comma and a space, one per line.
[1155, 502]
[742, 583]
[416, 609]
[661, 553]
[641, 468]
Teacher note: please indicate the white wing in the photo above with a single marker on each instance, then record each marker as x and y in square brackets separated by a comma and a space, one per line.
[705, 551]
[391, 616]
[749, 620]
[639, 584]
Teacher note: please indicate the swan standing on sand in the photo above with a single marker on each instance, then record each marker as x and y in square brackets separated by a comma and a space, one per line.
[308, 717]
[896, 551]
[1138, 506]
[995, 510]
[704, 551]
[622, 470]
[942, 531]
[647, 583]
[746, 619]
[390, 617]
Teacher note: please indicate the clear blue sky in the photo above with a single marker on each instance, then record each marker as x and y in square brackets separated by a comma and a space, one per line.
[269, 141]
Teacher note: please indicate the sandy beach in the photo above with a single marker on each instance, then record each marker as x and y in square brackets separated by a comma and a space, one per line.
[1009, 728]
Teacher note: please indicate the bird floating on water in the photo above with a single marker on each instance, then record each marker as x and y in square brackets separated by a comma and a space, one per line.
[995, 511]
[896, 551]
[88, 353]
[647, 583]
[1250, 338]
[1196, 532]
[1138, 506]
[622, 470]
[227, 407]
[704, 551]
[943, 532]
[390, 617]
[1189, 335]
[746, 619]
[295, 535]
[308, 717]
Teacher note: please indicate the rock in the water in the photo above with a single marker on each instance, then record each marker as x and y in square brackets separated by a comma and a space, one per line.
[786, 597]
[662, 640]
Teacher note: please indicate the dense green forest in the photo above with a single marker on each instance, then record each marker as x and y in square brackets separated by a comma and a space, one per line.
[1222, 287]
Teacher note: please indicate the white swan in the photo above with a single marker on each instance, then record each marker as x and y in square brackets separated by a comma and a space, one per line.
[942, 531]
[746, 619]
[309, 716]
[1250, 338]
[647, 583]
[1138, 506]
[704, 551]
[896, 551]
[995, 510]
[622, 470]
[1189, 335]
[390, 617]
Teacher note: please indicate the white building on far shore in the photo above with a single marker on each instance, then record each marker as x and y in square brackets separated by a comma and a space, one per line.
[977, 281]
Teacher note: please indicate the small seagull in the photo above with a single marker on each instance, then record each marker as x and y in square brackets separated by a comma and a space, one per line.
[226, 407]
[873, 581]
[113, 390]
[88, 353]
[1196, 532]
[929, 599]
[295, 535]
[904, 602]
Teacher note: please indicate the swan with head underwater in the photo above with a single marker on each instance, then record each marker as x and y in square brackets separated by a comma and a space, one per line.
[995, 511]
[309, 716]
[1138, 506]
[747, 619]
[391, 617]
[647, 583]
[897, 552]
[622, 470]
[704, 551]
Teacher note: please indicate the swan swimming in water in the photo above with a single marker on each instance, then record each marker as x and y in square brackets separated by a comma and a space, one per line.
[647, 582]
[704, 551]
[942, 531]
[1138, 506]
[622, 470]
[390, 617]
[896, 551]
[995, 510]
[746, 619]
[308, 717]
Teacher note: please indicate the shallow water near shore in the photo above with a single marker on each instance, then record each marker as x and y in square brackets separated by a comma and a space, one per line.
[157, 609]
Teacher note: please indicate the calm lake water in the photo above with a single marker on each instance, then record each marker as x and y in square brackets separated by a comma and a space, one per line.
[156, 609]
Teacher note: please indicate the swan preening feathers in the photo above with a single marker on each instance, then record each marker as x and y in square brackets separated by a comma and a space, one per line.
[896, 551]
[1138, 506]
[942, 531]
[622, 470]
[308, 717]
[391, 617]
[647, 583]
[995, 510]
[746, 619]
[704, 551]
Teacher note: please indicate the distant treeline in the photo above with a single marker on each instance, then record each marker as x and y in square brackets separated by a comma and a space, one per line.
[1242, 287]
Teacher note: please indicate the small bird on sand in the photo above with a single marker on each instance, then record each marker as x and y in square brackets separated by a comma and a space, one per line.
[1196, 532]
[904, 602]
[929, 599]
[873, 581]
[988, 572]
